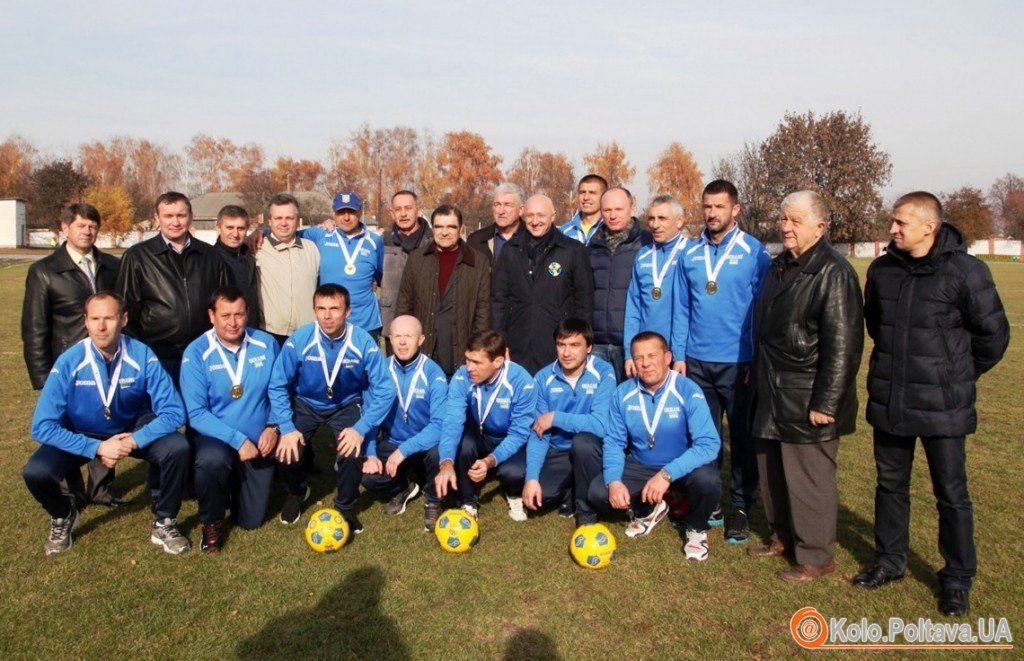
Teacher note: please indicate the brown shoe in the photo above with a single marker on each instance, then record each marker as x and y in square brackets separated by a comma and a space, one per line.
[806, 573]
[773, 550]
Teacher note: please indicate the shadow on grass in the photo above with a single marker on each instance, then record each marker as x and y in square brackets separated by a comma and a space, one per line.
[857, 535]
[347, 623]
[530, 644]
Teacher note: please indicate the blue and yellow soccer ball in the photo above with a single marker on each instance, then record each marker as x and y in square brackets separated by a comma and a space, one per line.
[457, 531]
[327, 531]
[592, 546]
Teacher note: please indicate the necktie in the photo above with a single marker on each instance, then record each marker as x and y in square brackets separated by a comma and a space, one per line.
[87, 267]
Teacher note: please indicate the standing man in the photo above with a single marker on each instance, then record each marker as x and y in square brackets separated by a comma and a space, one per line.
[412, 429]
[809, 326]
[107, 397]
[232, 226]
[719, 278]
[938, 325]
[288, 267]
[53, 316]
[507, 211]
[408, 232]
[586, 221]
[541, 278]
[613, 250]
[491, 404]
[446, 285]
[330, 372]
[563, 455]
[662, 419]
[650, 294]
[224, 378]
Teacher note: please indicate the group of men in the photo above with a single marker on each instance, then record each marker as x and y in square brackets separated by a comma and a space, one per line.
[589, 368]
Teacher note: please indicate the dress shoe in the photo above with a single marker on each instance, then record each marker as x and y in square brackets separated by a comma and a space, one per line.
[806, 573]
[772, 550]
[954, 602]
[876, 577]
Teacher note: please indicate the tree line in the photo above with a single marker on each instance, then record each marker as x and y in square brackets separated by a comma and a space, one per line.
[832, 153]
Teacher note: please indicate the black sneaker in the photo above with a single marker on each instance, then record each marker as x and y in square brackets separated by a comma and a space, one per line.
[954, 602]
[212, 537]
[737, 527]
[355, 526]
[60, 533]
[292, 508]
[716, 519]
[430, 513]
[397, 504]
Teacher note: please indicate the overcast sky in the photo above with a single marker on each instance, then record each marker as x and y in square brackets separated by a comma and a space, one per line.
[934, 79]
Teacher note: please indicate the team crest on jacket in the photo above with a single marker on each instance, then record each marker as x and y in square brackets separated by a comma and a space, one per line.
[555, 269]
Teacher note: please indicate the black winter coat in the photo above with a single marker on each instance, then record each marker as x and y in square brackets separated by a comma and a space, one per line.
[528, 299]
[166, 295]
[810, 335]
[482, 240]
[53, 312]
[938, 324]
[241, 266]
[612, 273]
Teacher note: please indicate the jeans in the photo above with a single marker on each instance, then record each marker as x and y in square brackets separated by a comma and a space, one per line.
[614, 354]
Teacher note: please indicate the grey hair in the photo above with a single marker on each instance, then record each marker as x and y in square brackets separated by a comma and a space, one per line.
[670, 200]
[811, 200]
[506, 187]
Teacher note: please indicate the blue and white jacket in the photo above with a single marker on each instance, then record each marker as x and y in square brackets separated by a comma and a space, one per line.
[206, 387]
[718, 327]
[421, 430]
[369, 265]
[363, 377]
[511, 416]
[643, 311]
[685, 438]
[573, 228]
[580, 409]
[69, 413]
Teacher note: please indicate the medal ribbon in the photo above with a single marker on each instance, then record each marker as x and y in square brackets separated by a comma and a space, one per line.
[235, 375]
[659, 275]
[651, 426]
[350, 258]
[107, 397]
[407, 401]
[481, 412]
[330, 377]
[713, 275]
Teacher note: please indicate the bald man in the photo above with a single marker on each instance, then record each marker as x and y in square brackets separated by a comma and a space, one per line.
[541, 278]
[404, 454]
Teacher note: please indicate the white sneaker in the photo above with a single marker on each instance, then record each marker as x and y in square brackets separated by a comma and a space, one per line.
[472, 509]
[516, 512]
[638, 527]
[696, 547]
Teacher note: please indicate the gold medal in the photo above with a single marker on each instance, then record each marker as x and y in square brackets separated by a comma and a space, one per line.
[711, 287]
[656, 293]
[350, 269]
[236, 392]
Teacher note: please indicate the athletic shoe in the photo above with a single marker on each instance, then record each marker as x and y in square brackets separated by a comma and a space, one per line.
[60, 533]
[472, 509]
[696, 547]
[516, 512]
[397, 504]
[717, 518]
[568, 507]
[737, 527]
[355, 526]
[430, 513]
[166, 534]
[640, 526]
[954, 602]
[292, 508]
[211, 537]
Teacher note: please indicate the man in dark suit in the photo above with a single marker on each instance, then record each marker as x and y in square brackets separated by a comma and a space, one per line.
[507, 211]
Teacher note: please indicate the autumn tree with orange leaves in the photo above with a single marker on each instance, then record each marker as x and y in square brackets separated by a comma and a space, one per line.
[610, 162]
[676, 173]
[547, 173]
[17, 158]
[470, 172]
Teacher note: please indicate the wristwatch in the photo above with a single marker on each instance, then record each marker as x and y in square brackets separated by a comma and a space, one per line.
[665, 475]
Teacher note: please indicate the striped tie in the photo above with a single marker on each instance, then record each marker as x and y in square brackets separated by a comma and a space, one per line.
[86, 264]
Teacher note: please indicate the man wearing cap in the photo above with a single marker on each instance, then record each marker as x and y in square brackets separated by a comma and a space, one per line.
[507, 211]
[409, 231]
[586, 221]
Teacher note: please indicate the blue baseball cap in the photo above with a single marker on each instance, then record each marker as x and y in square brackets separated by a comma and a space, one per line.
[347, 201]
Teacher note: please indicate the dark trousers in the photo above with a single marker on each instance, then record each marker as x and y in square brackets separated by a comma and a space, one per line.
[801, 497]
[222, 480]
[173, 368]
[49, 465]
[473, 446]
[727, 391]
[947, 459]
[350, 469]
[425, 462]
[702, 486]
[614, 354]
[96, 490]
[566, 474]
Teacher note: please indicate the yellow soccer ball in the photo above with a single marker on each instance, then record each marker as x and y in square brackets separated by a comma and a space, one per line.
[592, 546]
[327, 531]
[457, 531]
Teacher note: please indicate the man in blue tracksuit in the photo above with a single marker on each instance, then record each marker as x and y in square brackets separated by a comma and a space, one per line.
[649, 298]
[108, 397]
[330, 372]
[563, 455]
[719, 279]
[491, 404]
[586, 221]
[225, 374]
[352, 256]
[661, 418]
[412, 429]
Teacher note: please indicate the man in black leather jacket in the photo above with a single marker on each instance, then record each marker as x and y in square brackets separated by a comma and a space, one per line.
[53, 315]
[810, 333]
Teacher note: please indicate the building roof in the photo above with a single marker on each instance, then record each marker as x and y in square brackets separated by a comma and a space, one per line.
[206, 206]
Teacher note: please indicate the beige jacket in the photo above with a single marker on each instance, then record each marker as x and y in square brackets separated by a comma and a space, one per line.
[288, 277]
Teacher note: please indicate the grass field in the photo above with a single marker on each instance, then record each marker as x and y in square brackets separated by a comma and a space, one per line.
[392, 594]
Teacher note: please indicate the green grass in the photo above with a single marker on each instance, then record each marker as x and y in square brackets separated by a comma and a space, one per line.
[393, 594]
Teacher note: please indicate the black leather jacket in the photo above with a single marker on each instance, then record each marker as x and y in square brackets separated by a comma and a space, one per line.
[166, 294]
[810, 335]
[53, 312]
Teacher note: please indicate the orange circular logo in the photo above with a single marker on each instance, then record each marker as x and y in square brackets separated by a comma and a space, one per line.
[809, 628]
